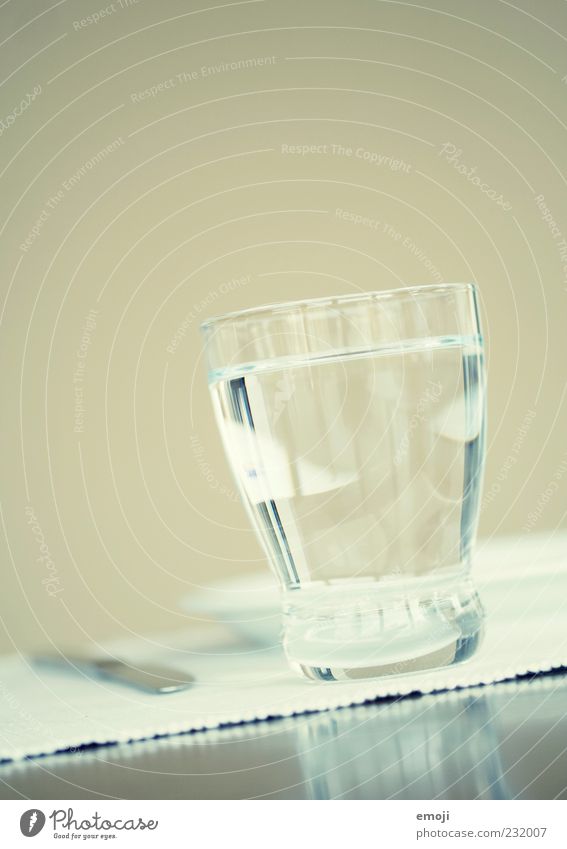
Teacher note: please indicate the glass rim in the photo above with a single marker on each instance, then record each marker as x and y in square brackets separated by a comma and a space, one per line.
[374, 295]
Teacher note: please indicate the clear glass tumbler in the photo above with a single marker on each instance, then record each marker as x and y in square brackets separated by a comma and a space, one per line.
[354, 427]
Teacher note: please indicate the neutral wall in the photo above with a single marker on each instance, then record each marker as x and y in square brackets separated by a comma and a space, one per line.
[188, 201]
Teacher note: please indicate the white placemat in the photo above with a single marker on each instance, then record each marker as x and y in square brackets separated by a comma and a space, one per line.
[524, 589]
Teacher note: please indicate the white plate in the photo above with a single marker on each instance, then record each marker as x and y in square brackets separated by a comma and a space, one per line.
[250, 604]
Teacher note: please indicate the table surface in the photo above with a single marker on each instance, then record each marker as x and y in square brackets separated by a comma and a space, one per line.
[502, 741]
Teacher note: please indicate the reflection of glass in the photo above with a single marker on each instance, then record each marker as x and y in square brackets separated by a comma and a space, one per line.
[355, 430]
[431, 748]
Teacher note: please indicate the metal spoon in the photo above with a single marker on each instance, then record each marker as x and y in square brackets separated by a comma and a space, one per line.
[155, 677]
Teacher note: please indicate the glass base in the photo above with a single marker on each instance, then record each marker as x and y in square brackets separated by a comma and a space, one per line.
[339, 633]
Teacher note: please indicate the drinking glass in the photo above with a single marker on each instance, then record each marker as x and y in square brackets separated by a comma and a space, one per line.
[354, 427]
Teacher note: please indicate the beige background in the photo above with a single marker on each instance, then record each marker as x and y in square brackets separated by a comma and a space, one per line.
[197, 190]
